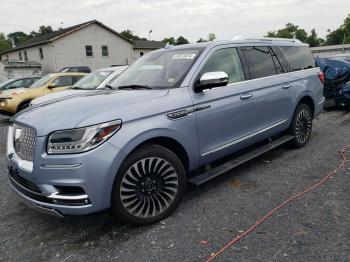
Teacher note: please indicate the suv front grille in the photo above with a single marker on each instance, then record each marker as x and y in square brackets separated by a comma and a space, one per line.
[24, 142]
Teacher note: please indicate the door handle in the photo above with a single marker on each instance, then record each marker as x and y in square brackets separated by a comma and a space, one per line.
[247, 96]
[287, 86]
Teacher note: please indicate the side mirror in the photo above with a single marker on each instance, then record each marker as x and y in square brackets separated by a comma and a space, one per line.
[50, 86]
[210, 80]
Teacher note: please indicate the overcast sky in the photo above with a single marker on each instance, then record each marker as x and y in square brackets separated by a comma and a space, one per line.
[190, 18]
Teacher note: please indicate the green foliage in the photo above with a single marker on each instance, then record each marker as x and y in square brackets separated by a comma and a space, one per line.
[128, 34]
[4, 43]
[181, 41]
[172, 41]
[211, 37]
[290, 31]
[169, 40]
[18, 37]
[340, 35]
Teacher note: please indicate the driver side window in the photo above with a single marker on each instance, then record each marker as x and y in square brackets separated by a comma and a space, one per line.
[226, 60]
[62, 81]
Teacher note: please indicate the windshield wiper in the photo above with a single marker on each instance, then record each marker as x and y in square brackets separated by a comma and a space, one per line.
[77, 87]
[134, 87]
[109, 87]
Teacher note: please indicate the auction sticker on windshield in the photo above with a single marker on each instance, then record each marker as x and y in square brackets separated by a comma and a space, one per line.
[184, 56]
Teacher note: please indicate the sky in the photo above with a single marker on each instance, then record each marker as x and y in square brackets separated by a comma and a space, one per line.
[191, 18]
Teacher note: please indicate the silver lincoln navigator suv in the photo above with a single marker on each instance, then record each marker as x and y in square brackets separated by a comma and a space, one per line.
[134, 146]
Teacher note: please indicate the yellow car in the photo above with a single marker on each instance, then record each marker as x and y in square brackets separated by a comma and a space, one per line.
[13, 101]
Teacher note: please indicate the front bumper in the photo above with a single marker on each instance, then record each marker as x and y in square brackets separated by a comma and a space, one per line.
[59, 185]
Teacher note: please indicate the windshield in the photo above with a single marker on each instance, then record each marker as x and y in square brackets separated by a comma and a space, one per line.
[92, 81]
[160, 69]
[42, 81]
[5, 83]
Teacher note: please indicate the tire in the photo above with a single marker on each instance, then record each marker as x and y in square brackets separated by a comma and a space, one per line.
[149, 185]
[301, 126]
[23, 106]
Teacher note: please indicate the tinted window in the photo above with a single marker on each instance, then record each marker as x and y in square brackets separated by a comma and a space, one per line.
[63, 81]
[104, 50]
[299, 57]
[88, 50]
[19, 83]
[260, 61]
[226, 60]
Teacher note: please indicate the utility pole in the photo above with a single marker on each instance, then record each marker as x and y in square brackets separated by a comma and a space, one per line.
[344, 43]
[149, 35]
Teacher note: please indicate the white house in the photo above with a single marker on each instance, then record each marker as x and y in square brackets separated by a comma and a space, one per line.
[142, 47]
[90, 44]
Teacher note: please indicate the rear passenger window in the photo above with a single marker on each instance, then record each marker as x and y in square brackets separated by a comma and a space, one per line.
[260, 61]
[299, 57]
[226, 60]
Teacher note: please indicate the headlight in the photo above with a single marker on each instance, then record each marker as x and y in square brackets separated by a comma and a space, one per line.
[81, 139]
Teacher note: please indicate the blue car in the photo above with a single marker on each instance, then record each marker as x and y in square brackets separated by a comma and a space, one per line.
[173, 117]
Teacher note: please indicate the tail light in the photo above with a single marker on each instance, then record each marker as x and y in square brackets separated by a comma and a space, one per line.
[321, 76]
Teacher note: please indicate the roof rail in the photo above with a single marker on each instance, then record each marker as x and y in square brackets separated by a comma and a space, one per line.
[274, 39]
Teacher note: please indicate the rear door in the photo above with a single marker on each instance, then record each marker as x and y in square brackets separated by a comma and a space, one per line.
[267, 77]
[225, 115]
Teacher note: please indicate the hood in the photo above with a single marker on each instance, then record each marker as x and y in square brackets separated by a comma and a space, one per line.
[10, 92]
[89, 109]
[59, 96]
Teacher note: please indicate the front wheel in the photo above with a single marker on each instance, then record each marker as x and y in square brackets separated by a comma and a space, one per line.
[149, 186]
[301, 125]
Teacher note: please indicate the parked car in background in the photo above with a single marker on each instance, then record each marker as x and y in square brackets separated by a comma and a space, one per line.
[18, 83]
[76, 69]
[13, 101]
[337, 76]
[165, 121]
[95, 80]
[343, 56]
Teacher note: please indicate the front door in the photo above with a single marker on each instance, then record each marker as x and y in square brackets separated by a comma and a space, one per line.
[225, 115]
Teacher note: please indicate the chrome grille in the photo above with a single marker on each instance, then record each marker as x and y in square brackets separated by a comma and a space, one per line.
[24, 142]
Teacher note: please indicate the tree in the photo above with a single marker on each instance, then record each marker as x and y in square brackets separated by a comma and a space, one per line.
[181, 41]
[4, 43]
[169, 40]
[211, 37]
[18, 37]
[313, 39]
[128, 34]
[340, 35]
[295, 32]
[201, 40]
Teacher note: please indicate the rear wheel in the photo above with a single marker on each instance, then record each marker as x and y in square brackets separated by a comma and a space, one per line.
[149, 186]
[301, 125]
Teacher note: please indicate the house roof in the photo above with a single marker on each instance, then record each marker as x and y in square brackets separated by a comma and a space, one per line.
[144, 44]
[47, 38]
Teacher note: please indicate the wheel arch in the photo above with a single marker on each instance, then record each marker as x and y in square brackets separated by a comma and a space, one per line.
[306, 98]
[22, 103]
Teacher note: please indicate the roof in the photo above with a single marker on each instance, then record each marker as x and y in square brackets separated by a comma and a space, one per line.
[48, 38]
[144, 44]
[21, 64]
[330, 47]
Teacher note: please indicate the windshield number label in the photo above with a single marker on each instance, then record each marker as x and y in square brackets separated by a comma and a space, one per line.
[184, 56]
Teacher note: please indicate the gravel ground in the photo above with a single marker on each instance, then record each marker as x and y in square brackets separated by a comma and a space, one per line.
[313, 228]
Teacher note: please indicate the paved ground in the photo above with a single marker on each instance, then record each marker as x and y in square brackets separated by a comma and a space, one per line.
[315, 228]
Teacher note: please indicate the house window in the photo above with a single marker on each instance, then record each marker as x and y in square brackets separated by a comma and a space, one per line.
[25, 56]
[88, 49]
[20, 56]
[41, 54]
[0, 58]
[141, 54]
[104, 50]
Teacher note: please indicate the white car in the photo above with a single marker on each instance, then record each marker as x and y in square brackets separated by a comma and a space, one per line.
[95, 80]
